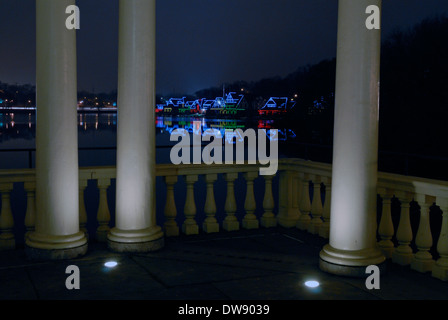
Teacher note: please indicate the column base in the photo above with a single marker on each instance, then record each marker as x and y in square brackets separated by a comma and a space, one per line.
[348, 271]
[86, 233]
[133, 241]
[350, 263]
[40, 246]
[56, 254]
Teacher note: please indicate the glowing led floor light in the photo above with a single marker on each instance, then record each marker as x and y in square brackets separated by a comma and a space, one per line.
[312, 284]
[111, 264]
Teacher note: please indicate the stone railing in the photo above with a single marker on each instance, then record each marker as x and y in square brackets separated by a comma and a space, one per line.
[303, 192]
[421, 205]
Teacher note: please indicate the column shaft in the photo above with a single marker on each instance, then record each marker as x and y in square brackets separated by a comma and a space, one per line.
[136, 228]
[57, 232]
[352, 244]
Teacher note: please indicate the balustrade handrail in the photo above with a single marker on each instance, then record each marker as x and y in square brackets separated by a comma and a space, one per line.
[308, 166]
[438, 188]
[433, 187]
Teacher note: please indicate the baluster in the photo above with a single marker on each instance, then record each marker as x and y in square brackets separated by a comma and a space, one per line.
[103, 215]
[190, 227]
[268, 220]
[324, 230]
[7, 240]
[316, 208]
[230, 222]
[210, 224]
[403, 253]
[82, 207]
[305, 204]
[440, 268]
[30, 215]
[297, 191]
[170, 226]
[386, 227]
[288, 210]
[250, 220]
[423, 261]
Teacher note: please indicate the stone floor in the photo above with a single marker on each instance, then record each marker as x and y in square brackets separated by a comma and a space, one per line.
[265, 264]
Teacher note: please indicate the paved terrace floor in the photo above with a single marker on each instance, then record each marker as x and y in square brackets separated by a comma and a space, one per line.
[265, 264]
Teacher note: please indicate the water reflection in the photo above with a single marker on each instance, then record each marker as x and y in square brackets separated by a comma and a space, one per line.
[16, 126]
[219, 126]
[22, 125]
[99, 130]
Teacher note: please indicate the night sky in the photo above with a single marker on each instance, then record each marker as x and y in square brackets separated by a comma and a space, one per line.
[200, 43]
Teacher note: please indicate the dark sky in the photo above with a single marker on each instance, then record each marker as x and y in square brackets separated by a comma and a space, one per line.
[200, 43]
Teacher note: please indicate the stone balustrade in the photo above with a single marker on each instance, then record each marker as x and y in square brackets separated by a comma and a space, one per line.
[412, 212]
[419, 236]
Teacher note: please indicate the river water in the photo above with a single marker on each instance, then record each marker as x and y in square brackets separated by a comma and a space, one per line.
[97, 136]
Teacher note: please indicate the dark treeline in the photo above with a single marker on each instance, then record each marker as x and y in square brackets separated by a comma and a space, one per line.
[414, 91]
[17, 94]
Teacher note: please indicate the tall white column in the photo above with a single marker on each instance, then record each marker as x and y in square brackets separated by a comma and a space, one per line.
[57, 234]
[352, 244]
[135, 226]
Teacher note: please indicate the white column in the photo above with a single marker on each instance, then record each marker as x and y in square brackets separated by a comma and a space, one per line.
[135, 226]
[57, 234]
[352, 244]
